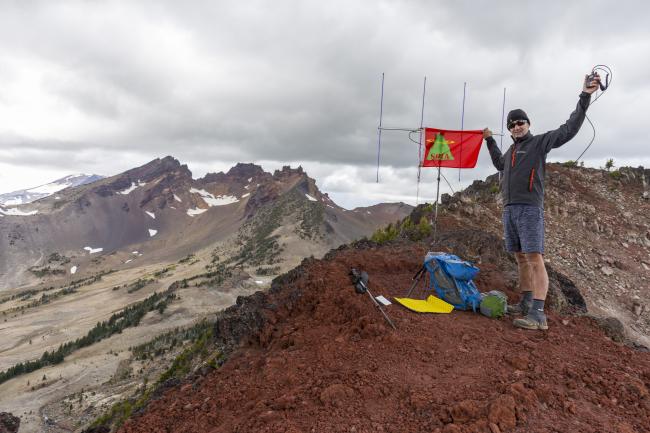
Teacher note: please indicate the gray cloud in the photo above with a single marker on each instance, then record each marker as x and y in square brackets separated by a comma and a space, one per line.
[110, 83]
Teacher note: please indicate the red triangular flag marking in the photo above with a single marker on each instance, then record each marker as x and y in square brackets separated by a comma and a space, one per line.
[451, 149]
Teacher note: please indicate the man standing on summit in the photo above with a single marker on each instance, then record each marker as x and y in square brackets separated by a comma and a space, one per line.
[522, 189]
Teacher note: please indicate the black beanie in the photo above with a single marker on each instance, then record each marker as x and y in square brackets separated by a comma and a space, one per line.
[517, 114]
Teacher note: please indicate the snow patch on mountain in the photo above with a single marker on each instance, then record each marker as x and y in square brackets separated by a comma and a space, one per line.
[132, 188]
[222, 200]
[17, 212]
[93, 250]
[14, 201]
[151, 214]
[49, 189]
[152, 232]
[211, 200]
[32, 194]
[195, 211]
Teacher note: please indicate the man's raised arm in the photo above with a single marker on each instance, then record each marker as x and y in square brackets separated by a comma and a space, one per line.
[495, 153]
[556, 138]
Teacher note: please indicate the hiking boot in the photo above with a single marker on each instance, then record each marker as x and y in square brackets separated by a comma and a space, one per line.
[532, 322]
[520, 309]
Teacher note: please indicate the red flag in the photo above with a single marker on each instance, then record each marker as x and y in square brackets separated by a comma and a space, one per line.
[453, 149]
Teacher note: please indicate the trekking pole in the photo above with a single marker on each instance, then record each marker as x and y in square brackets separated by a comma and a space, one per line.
[416, 279]
[360, 281]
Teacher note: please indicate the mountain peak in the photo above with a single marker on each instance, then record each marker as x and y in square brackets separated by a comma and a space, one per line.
[157, 167]
[240, 172]
[168, 167]
[245, 170]
[36, 193]
[287, 171]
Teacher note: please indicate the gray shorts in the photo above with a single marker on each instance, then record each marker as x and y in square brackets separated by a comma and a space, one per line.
[523, 228]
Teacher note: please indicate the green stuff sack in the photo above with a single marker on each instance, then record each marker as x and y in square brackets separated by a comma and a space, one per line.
[494, 304]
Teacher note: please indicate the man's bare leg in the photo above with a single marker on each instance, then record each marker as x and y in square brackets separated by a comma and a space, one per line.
[539, 277]
[525, 285]
[525, 274]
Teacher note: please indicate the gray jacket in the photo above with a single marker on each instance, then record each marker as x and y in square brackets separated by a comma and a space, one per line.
[524, 164]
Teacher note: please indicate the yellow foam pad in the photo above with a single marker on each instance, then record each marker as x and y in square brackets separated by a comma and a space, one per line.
[430, 305]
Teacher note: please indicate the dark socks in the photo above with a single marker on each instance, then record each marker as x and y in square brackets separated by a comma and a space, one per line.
[537, 309]
[527, 299]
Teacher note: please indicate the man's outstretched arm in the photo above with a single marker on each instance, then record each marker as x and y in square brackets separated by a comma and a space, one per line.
[495, 153]
[556, 138]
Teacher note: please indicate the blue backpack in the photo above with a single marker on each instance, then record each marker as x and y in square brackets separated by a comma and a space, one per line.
[451, 277]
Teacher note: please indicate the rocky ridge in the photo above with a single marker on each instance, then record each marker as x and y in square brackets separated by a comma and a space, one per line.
[328, 362]
[159, 209]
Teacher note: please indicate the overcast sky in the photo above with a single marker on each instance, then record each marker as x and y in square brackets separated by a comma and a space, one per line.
[105, 86]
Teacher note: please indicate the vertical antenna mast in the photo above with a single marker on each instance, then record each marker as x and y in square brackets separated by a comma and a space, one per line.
[462, 127]
[417, 193]
[503, 114]
[381, 115]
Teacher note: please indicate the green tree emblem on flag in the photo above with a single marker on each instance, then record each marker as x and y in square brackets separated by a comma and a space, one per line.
[440, 150]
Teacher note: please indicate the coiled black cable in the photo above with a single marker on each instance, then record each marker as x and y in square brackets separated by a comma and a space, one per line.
[603, 87]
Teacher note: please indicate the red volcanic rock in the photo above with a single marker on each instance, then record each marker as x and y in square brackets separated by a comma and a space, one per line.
[502, 412]
[311, 355]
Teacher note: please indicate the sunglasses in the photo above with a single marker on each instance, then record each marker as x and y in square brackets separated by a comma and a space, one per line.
[517, 123]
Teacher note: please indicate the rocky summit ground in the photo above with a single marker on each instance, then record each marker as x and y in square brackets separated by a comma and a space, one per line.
[311, 355]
